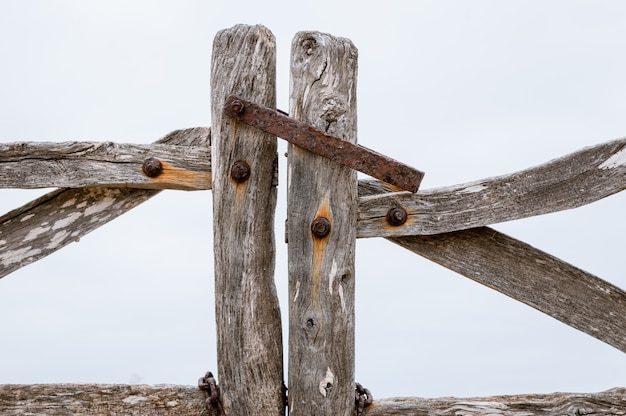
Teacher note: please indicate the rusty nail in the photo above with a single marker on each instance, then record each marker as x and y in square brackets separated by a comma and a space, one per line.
[237, 106]
[240, 171]
[320, 227]
[396, 216]
[152, 167]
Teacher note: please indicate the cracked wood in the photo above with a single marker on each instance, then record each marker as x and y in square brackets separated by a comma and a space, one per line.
[30, 165]
[321, 267]
[166, 400]
[249, 334]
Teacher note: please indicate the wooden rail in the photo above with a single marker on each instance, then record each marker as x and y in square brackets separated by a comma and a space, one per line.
[571, 181]
[49, 223]
[141, 400]
[29, 165]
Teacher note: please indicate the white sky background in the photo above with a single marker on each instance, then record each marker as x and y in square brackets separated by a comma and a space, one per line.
[461, 90]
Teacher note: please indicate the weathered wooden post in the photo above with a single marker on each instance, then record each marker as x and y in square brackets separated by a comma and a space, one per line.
[249, 338]
[322, 208]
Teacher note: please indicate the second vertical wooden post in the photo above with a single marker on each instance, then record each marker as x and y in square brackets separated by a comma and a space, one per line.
[322, 208]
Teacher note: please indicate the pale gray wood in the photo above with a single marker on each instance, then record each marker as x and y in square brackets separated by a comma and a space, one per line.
[608, 403]
[321, 271]
[101, 400]
[571, 181]
[60, 217]
[165, 400]
[522, 272]
[249, 343]
[77, 164]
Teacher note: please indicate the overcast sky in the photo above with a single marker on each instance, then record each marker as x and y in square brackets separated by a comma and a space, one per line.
[462, 90]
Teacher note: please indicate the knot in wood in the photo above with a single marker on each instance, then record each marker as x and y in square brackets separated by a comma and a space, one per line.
[152, 167]
[309, 45]
[320, 227]
[396, 216]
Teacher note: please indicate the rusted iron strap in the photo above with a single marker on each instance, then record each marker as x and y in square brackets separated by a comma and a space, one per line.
[317, 141]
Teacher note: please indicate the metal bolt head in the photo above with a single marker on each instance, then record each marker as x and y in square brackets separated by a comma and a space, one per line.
[320, 227]
[237, 106]
[152, 167]
[396, 216]
[240, 171]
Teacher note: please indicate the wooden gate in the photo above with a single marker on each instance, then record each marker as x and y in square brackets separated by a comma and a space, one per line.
[328, 209]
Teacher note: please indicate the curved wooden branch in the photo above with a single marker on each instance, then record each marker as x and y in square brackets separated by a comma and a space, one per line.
[569, 182]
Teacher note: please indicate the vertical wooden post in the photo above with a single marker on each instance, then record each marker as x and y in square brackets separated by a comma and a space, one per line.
[322, 196]
[249, 338]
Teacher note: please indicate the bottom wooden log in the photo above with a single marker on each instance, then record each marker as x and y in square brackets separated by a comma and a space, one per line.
[100, 400]
[611, 402]
[167, 400]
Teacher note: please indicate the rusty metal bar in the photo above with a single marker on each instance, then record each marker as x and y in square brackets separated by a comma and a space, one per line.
[317, 141]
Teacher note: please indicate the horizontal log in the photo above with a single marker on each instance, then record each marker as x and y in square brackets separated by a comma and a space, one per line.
[611, 402]
[165, 400]
[100, 399]
[571, 181]
[29, 165]
[60, 217]
[522, 272]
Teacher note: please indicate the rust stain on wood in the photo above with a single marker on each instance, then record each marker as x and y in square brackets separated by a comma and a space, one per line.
[183, 178]
[319, 247]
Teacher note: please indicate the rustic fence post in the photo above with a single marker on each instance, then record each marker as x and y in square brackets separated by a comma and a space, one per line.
[322, 208]
[249, 338]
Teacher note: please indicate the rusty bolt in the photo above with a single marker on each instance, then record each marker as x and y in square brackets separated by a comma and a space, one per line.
[396, 216]
[237, 106]
[320, 227]
[240, 171]
[152, 167]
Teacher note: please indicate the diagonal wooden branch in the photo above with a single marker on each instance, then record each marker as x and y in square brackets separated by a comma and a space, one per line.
[571, 181]
[77, 164]
[141, 400]
[58, 218]
[518, 270]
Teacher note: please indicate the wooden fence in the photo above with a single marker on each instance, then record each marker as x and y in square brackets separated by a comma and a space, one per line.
[328, 209]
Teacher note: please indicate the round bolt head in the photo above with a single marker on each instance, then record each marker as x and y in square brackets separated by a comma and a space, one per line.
[237, 106]
[152, 167]
[320, 227]
[240, 171]
[396, 216]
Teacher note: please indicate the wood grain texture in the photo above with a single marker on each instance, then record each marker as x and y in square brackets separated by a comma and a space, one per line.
[63, 216]
[100, 400]
[608, 403]
[321, 270]
[568, 182]
[522, 272]
[78, 164]
[165, 400]
[249, 335]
